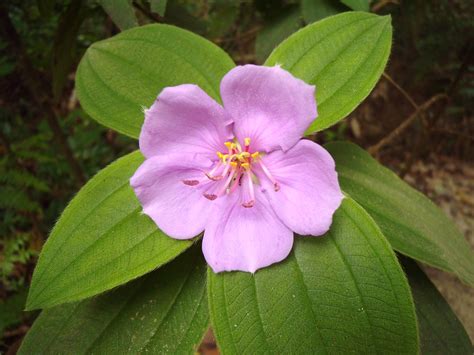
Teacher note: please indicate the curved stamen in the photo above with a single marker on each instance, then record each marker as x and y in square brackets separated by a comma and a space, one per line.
[251, 200]
[276, 185]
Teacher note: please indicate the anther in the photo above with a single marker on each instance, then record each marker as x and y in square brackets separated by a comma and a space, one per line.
[247, 142]
[255, 155]
[211, 197]
[248, 204]
[191, 182]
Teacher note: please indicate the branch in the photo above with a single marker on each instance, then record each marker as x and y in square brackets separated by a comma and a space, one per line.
[405, 124]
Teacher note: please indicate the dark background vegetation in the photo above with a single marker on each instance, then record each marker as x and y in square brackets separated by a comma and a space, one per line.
[418, 120]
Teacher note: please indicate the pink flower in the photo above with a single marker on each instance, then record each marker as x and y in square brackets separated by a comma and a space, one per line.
[239, 172]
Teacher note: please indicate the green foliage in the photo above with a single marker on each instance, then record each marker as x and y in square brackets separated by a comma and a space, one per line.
[11, 311]
[341, 293]
[158, 6]
[344, 56]
[163, 312]
[102, 240]
[65, 44]
[277, 30]
[410, 221]
[357, 5]
[119, 76]
[14, 250]
[441, 332]
[121, 12]
[315, 10]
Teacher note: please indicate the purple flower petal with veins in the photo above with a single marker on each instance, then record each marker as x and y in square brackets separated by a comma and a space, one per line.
[239, 172]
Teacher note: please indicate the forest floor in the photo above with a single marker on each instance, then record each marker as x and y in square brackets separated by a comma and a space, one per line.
[450, 184]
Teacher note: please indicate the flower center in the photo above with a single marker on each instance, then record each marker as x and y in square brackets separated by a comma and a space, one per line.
[235, 168]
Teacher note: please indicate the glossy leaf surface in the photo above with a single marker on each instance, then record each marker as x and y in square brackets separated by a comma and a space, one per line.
[410, 221]
[341, 293]
[163, 312]
[344, 56]
[120, 76]
[441, 332]
[101, 240]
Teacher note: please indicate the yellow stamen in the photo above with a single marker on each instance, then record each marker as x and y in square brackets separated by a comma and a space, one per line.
[233, 164]
[222, 157]
[247, 142]
[229, 145]
[246, 166]
[255, 155]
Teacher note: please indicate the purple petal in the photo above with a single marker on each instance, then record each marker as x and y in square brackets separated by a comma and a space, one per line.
[178, 209]
[309, 190]
[244, 239]
[268, 105]
[184, 119]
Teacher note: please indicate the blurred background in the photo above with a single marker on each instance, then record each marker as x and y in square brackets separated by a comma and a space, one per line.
[419, 120]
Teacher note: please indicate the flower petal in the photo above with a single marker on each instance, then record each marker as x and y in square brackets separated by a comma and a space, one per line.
[309, 191]
[178, 209]
[244, 239]
[268, 105]
[184, 119]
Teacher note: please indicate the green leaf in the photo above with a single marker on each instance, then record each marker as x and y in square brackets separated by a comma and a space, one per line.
[344, 56]
[410, 221]
[441, 332]
[341, 293]
[121, 12]
[163, 312]
[119, 76]
[102, 240]
[158, 6]
[276, 31]
[315, 10]
[358, 5]
[65, 44]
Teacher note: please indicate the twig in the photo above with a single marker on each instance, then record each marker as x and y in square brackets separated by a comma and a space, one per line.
[383, 3]
[405, 124]
[401, 90]
[149, 14]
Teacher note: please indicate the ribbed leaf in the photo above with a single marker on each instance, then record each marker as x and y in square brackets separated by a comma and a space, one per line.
[344, 56]
[410, 221]
[163, 312]
[341, 293]
[119, 76]
[102, 240]
[441, 332]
